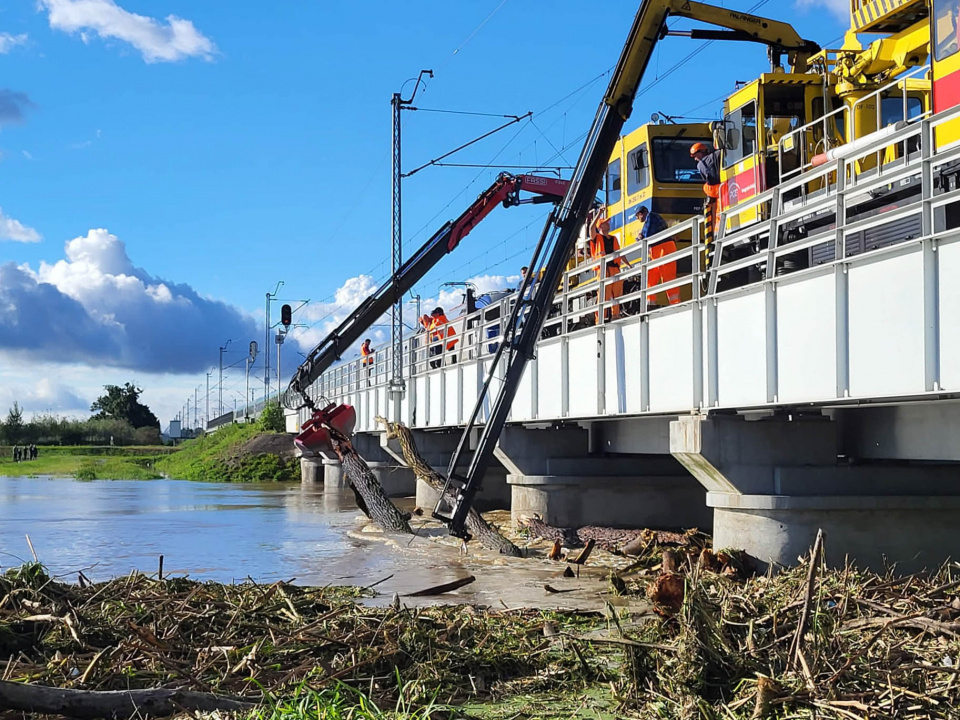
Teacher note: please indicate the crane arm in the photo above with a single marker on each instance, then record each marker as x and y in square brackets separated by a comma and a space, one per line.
[560, 232]
[504, 191]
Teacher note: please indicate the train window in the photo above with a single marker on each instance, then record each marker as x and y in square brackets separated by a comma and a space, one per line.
[891, 109]
[638, 161]
[613, 182]
[741, 134]
[945, 28]
[672, 161]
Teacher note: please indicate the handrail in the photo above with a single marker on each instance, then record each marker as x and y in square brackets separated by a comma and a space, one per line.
[583, 288]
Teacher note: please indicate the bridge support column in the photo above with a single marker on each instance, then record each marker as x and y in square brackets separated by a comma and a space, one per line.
[773, 483]
[552, 474]
[437, 448]
[397, 479]
[311, 470]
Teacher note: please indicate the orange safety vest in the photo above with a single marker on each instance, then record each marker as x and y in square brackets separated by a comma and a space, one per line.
[603, 245]
[436, 328]
[367, 354]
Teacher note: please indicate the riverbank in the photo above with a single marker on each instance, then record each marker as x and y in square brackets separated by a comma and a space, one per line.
[88, 462]
[235, 453]
[838, 643]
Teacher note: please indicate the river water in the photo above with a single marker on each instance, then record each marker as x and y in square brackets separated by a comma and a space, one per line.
[267, 532]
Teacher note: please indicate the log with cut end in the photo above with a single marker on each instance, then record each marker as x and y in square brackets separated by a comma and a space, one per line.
[112, 703]
[478, 528]
[370, 495]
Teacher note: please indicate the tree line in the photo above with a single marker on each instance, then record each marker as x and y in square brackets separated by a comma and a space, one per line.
[120, 419]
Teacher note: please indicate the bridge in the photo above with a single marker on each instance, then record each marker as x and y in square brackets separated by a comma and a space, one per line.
[809, 377]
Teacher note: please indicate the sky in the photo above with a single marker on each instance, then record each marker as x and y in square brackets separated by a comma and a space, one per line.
[166, 164]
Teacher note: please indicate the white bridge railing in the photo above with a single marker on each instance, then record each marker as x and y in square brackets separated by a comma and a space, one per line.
[845, 289]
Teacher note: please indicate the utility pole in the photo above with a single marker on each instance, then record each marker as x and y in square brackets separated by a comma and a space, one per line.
[220, 385]
[250, 360]
[207, 414]
[196, 423]
[396, 256]
[188, 411]
[266, 339]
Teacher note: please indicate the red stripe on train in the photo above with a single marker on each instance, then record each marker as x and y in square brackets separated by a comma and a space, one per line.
[946, 92]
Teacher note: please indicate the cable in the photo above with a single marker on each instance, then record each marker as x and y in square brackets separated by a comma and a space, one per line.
[461, 112]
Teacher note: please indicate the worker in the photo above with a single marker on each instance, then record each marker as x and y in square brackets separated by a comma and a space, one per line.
[367, 352]
[708, 164]
[438, 321]
[523, 276]
[652, 225]
[602, 243]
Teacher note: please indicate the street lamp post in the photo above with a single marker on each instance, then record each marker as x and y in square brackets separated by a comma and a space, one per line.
[220, 385]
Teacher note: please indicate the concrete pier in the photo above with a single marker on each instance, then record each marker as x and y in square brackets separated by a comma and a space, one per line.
[551, 473]
[773, 482]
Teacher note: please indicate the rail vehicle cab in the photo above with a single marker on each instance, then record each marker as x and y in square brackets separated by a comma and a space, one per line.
[945, 45]
[652, 166]
[755, 119]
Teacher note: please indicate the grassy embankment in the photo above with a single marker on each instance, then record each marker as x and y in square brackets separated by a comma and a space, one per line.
[87, 462]
[236, 453]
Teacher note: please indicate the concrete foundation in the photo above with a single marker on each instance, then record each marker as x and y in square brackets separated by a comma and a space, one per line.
[436, 448]
[773, 483]
[311, 470]
[552, 474]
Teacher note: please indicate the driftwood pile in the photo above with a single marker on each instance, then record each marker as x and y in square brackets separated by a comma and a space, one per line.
[247, 641]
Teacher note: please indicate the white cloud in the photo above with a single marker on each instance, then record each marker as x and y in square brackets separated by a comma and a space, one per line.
[840, 8]
[42, 395]
[16, 231]
[95, 307]
[8, 42]
[27, 154]
[157, 41]
[324, 317]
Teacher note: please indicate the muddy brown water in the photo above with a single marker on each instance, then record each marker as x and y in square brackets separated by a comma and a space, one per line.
[266, 532]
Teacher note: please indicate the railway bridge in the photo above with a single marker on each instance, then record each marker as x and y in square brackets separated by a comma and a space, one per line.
[809, 377]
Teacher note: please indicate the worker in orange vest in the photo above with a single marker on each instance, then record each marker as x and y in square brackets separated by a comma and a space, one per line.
[367, 352]
[602, 243]
[653, 224]
[438, 320]
[708, 164]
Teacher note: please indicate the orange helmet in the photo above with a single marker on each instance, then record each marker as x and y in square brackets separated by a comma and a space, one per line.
[698, 147]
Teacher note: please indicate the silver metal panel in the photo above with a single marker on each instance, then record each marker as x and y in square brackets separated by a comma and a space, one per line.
[451, 396]
[435, 411]
[671, 361]
[950, 316]
[582, 353]
[741, 350]
[549, 381]
[614, 395]
[522, 408]
[422, 398]
[886, 325]
[631, 365]
[806, 339]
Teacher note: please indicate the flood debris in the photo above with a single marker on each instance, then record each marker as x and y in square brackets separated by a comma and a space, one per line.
[370, 496]
[444, 587]
[613, 540]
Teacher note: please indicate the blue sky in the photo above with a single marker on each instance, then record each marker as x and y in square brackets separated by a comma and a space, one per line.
[194, 154]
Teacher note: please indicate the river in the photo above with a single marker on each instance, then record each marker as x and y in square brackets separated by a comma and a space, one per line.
[267, 532]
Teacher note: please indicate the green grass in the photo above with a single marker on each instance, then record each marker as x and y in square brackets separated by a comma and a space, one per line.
[342, 702]
[216, 458]
[91, 466]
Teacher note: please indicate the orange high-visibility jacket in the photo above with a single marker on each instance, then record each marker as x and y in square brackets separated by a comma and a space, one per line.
[437, 332]
[367, 353]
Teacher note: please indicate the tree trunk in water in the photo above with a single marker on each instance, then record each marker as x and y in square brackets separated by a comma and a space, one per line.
[370, 495]
[112, 703]
[478, 528]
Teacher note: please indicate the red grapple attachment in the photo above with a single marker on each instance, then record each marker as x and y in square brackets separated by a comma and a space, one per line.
[315, 433]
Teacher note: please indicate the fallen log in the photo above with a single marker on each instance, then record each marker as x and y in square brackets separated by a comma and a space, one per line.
[158, 702]
[485, 534]
[443, 587]
[370, 495]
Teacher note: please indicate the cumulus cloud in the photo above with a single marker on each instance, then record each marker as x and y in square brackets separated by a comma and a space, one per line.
[13, 106]
[8, 42]
[44, 395]
[157, 41]
[840, 8]
[326, 316]
[96, 307]
[16, 231]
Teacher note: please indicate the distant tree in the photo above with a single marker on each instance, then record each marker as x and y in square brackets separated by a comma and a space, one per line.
[272, 418]
[13, 426]
[123, 403]
[147, 436]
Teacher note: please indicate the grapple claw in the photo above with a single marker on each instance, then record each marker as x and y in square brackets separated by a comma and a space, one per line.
[315, 433]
